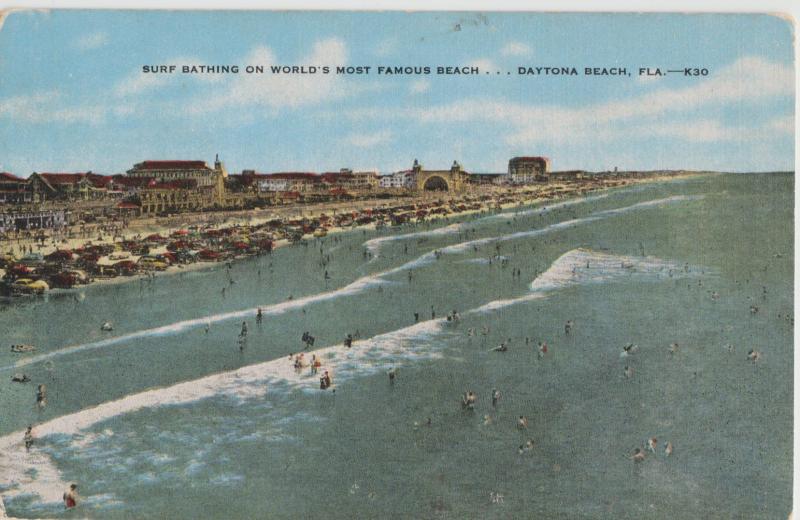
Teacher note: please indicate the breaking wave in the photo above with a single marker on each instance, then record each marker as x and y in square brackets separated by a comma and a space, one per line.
[393, 349]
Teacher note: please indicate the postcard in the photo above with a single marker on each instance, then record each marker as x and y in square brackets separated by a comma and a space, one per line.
[351, 264]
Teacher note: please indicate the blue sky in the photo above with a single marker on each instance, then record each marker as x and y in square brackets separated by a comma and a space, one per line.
[73, 97]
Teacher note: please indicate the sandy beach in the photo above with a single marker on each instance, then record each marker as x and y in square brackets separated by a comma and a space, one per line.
[77, 236]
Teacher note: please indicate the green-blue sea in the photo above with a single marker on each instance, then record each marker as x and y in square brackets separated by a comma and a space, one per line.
[172, 415]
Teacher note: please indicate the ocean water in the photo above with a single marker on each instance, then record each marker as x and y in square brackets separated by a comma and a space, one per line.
[161, 419]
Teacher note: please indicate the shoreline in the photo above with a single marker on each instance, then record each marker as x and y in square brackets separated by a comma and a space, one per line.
[529, 198]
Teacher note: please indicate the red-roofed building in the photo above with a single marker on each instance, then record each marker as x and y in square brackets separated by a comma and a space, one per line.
[525, 170]
[174, 186]
[166, 171]
[13, 189]
[65, 186]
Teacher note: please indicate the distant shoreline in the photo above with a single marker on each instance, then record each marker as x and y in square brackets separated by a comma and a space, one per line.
[522, 199]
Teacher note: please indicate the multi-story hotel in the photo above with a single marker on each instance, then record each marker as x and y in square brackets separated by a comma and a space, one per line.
[525, 170]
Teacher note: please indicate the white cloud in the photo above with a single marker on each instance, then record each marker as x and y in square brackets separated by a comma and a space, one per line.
[662, 112]
[276, 91]
[516, 49]
[91, 40]
[419, 86]
[368, 140]
[40, 107]
[138, 81]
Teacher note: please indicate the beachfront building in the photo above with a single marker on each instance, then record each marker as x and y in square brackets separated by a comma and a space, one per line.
[358, 180]
[526, 170]
[174, 186]
[168, 171]
[453, 180]
[487, 179]
[287, 181]
[568, 175]
[44, 187]
[405, 179]
[30, 220]
[13, 189]
[175, 197]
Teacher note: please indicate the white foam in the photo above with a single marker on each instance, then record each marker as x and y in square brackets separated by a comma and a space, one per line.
[571, 269]
[463, 247]
[374, 245]
[392, 349]
[360, 285]
[544, 208]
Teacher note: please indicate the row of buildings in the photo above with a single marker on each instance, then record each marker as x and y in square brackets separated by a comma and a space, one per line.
[154, 187]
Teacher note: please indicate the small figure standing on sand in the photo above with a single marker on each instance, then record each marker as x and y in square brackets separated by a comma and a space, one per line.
[71, 497]
[28, 438]
[41, 396]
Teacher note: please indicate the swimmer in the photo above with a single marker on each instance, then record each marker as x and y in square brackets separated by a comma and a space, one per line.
[495, 396]
[392, 375]
[71, 497]
[487, 420]
[753, 355]
[529, 444]
[28, 438]
[638, 455]
[673, 349]
[468, 400]
[522, 422]
[667, 448]
[41, 396]
[628, 372]
[502, 347]
[652, 444]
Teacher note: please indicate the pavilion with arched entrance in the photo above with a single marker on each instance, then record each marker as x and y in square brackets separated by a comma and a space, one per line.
[453, 180]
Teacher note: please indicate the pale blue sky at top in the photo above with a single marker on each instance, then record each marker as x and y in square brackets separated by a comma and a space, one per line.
[73, 97]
